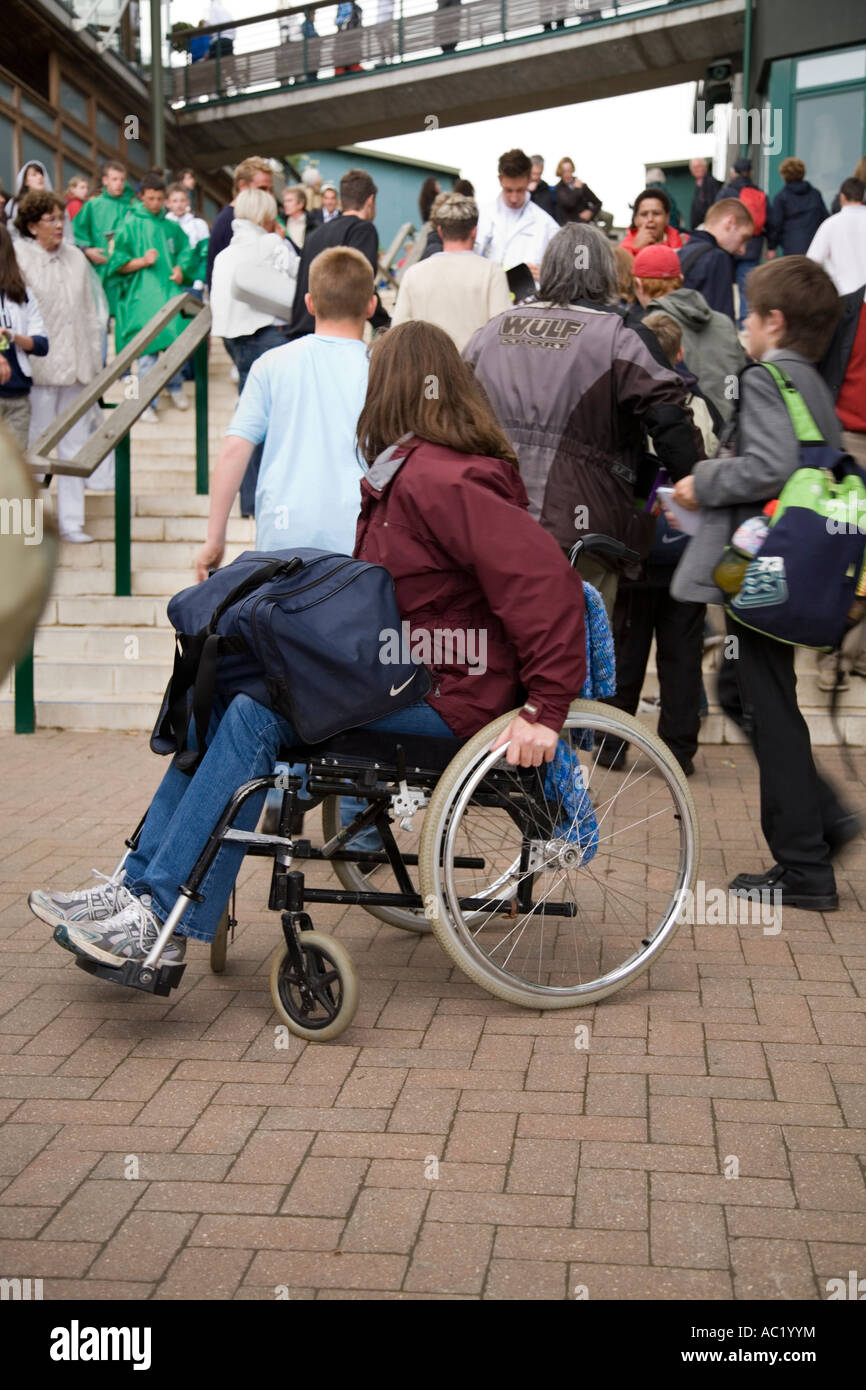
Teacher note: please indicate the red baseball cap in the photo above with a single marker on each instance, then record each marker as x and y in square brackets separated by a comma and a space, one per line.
[657, 263]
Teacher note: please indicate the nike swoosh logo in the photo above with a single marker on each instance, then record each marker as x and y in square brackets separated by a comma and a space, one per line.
[669, 540]
[402, 687]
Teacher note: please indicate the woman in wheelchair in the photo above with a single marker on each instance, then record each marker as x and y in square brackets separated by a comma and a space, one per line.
[444, 510]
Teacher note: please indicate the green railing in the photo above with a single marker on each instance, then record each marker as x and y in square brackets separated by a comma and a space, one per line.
[114, 434]
[285, 48]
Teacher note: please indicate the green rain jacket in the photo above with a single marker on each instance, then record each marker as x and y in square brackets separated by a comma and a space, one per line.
[96, 225]
[142, 293]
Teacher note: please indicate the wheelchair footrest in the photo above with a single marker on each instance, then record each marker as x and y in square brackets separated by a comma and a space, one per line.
[155, 979]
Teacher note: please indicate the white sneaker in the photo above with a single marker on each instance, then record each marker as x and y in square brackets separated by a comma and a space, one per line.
[76, 537]
[90, 904]
[179, 400]
[234, 373]
[148, 417]
[127, 935]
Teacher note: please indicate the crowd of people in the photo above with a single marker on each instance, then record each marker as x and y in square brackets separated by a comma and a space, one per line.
[533, 383]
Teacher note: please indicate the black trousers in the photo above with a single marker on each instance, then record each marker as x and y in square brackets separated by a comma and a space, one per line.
[641, 610]
[797, 804]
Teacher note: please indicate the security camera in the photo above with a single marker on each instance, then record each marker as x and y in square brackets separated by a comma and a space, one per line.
[720, 71]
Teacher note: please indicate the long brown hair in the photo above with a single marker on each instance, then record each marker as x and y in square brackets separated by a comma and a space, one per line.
[419, 384]
[11, 280]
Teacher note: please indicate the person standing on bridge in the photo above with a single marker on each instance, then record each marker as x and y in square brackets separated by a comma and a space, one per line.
[514, 230]
[354, 227]
[223, 42]
[448, 27]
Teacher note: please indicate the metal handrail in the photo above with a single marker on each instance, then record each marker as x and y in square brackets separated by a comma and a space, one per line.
[38, 455]
[114, 434]
[419, 29]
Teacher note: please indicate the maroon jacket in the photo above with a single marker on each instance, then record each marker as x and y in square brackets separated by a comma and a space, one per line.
[464, 553]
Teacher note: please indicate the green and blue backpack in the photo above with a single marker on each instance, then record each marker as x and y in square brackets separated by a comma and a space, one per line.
[803, 584]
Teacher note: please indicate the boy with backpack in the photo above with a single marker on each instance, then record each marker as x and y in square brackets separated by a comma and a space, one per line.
[793, 311]
[755, 201]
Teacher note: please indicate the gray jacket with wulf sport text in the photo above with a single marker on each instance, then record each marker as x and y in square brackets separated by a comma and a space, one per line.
[577, 391]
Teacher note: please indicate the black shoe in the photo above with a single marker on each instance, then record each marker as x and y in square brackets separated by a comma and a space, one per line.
[773, 881]
[841, 832]
[688, 767]
[766, 880]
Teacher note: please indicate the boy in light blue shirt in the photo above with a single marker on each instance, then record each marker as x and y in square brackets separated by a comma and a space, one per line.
[302, 402]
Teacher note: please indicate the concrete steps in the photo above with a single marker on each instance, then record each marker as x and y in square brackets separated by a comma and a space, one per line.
[102, 662]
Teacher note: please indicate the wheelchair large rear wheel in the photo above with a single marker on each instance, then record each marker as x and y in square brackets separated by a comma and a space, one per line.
[574, 901]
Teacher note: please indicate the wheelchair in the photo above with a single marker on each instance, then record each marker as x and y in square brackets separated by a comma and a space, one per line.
[547, 893]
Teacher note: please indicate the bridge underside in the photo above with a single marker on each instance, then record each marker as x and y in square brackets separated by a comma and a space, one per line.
[570, 65]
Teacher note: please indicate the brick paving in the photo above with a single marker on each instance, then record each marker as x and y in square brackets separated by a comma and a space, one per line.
[448, 1145]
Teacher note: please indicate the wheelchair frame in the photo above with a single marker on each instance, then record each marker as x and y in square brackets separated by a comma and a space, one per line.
[378, 783]
[384, 784]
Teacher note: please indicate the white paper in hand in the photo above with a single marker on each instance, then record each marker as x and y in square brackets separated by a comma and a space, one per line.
[689, 522]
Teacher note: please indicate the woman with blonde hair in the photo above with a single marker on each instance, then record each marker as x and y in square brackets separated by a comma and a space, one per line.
[248, 331]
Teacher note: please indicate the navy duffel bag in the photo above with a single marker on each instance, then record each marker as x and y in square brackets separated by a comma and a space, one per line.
[300, 631]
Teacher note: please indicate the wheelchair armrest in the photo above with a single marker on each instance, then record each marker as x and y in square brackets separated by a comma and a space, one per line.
[595, 543]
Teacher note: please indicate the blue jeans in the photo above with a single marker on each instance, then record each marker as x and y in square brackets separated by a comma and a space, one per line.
[744, 270]
[148, 360]
[243, 740]
[244, 352]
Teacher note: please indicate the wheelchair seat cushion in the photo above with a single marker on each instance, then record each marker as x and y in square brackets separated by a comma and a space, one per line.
[379, 746]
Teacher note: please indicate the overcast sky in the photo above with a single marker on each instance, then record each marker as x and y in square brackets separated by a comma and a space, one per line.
[610, 141]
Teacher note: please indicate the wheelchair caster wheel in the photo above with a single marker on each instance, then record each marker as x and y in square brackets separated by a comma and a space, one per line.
[219, 945]
[320, 1002]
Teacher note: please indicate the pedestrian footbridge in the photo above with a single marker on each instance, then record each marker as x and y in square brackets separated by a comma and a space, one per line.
[283, 87]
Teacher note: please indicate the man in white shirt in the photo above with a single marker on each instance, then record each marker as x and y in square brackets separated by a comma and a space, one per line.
[515, 230]
[455, 290]
[302, 402]
[839, 244]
